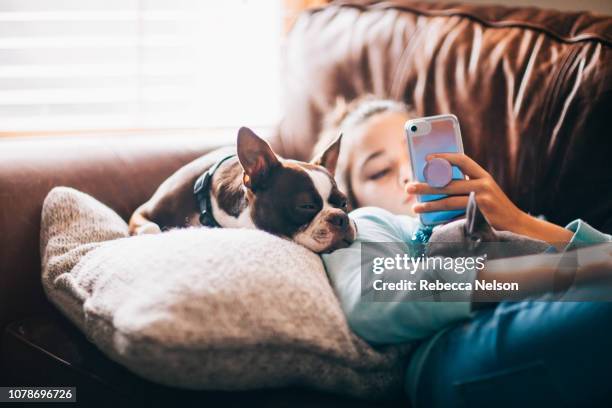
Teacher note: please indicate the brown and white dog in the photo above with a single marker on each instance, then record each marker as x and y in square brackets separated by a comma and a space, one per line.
[255, 189]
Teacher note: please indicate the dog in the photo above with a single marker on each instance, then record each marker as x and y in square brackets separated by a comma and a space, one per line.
[251, 187]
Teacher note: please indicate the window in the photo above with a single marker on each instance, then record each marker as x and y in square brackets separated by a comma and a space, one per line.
[125, 64]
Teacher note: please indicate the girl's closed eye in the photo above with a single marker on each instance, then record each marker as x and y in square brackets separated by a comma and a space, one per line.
[378, 174]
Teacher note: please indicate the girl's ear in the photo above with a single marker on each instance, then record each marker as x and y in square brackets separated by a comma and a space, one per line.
[256, 157]
[328, 158]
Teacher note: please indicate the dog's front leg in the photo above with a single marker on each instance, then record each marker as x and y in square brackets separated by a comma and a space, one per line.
[141, 224]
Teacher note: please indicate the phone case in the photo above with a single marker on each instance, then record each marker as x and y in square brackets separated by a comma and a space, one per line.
[434, 134]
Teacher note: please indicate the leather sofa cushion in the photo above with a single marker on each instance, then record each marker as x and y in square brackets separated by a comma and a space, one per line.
[532, 89]
[123, 170]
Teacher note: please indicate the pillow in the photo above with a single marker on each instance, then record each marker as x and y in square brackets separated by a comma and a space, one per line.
[200, 308]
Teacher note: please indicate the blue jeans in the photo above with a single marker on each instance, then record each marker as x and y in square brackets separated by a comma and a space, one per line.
[522, 354]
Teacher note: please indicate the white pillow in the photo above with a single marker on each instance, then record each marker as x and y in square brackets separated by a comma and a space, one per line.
[200, 308]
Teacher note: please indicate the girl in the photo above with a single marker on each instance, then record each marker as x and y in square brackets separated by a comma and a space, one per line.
[529, 353]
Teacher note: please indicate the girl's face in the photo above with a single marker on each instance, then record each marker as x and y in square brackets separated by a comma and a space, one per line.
[380, 164]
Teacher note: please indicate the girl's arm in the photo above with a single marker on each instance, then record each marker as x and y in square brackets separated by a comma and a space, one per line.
[501, 213]
[538, 274]
[542, 230]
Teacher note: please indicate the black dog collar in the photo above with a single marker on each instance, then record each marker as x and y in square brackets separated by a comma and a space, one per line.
[201, 191]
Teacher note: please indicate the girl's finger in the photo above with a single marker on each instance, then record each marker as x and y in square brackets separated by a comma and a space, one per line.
[455, 187]
[445, 204]
[466, 164]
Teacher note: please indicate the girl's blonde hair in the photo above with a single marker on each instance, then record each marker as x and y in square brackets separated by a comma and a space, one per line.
[341, 119]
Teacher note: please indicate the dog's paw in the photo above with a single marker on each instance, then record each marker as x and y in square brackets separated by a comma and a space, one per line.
[148, 228]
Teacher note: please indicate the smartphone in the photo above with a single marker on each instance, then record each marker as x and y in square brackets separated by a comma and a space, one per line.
[434, 134]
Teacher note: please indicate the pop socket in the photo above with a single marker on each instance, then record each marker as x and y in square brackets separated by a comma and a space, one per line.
[438, 172]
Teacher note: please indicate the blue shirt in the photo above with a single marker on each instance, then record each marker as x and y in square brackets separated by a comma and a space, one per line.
[402, 319]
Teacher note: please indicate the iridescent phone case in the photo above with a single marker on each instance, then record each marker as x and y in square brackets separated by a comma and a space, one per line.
[434, 134]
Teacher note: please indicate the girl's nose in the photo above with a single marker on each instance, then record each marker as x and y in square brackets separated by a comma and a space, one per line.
[405, 175]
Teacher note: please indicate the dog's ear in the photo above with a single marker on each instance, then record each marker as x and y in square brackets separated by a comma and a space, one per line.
[328, 158]
[476, 224]
[256, 158]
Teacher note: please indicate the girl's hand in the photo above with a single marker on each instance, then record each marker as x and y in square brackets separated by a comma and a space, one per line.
[501, 213]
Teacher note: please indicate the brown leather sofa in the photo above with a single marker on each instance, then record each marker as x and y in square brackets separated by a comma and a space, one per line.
[532, 89]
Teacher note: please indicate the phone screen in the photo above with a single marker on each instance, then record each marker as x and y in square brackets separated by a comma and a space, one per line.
[437, 134]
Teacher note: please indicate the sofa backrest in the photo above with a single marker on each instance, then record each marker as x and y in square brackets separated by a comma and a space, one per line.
[122, 171]
[532, 89]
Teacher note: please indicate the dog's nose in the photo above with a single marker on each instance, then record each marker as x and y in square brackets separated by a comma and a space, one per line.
[340, 220]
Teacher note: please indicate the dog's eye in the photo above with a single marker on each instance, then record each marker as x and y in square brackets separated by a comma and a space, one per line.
[307, 207]
[343, 204]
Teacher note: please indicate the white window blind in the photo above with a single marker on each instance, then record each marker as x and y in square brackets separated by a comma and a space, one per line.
[117, 64]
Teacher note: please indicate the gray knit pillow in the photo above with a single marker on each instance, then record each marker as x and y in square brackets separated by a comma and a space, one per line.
[205, 308]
